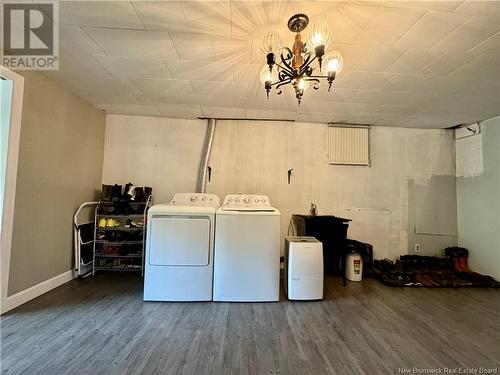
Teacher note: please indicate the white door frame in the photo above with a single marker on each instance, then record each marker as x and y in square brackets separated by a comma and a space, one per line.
[10, 180]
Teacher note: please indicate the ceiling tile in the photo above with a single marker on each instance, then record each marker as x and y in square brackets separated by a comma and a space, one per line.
[211, 17]
[490, 45]
[352, 53]
[349, 20]
[109, 91]
[334, 95]
[194, 46]
[197, 71]
[111, 14]
[218, 88]
[390, 24]
[324, 118]
[134, 66]
[162, 15]
[482, 67]
[448, 86]
[351, 79]
[378, 58]
[441, 6]
[385, 3]
[76, 42]
[180, 111]
[223, 112]
[133, 43]
[269, 114]
[431, 29]
[224, 100]
[489, 8]
[314, 106]
[473, 32]
[447, 63]
[247, 72]
[231, 50]
[413, 61]
[403, 82]
[74, 72]
[163, 90]
[249, 17]
[391, 98]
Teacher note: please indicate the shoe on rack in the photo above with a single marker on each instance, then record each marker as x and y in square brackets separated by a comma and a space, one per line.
[139, 194]
[102, 223]
[129, 190]
[148, 191]
[116, 192]
[136, 224]
[112, 222]
[106, 192]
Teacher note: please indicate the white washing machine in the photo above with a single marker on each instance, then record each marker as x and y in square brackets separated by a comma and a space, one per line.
[180, 248]
[247, 250]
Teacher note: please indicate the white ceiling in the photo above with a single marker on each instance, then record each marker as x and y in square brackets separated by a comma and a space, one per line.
[407, 63]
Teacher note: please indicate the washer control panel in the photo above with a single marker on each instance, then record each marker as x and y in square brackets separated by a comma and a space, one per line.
[245, 202]
[195, 199]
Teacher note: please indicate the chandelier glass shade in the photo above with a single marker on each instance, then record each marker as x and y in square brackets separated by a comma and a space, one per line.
[294, 65]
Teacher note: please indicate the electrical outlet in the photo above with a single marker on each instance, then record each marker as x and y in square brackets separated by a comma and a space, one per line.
[417, 248]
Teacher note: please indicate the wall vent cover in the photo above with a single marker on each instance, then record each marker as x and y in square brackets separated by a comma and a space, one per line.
[349, 144]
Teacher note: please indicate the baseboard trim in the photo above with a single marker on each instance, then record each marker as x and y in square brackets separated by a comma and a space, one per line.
[36, 290]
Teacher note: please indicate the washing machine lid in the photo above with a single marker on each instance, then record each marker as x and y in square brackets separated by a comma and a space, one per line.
[247, 203]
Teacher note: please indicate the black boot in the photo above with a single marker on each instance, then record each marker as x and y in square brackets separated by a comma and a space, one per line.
[106, 192]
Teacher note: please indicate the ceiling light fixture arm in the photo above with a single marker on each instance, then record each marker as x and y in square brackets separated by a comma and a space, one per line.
[281, 83]
[307, 62]
[317, 82]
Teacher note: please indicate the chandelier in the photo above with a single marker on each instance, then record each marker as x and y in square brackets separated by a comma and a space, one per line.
[295, 67]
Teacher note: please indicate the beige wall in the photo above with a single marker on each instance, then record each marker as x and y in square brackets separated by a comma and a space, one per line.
[60, 166]
[254, 157]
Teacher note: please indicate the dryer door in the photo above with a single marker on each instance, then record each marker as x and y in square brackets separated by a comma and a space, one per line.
[179, 241]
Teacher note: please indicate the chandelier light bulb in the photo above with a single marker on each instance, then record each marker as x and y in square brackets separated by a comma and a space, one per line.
[302, 84]
[267, 75]
[271, 43]
[334, 62]
[320, 34]
[316, 39]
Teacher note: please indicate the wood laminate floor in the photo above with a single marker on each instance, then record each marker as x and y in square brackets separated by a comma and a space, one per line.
[102, 326]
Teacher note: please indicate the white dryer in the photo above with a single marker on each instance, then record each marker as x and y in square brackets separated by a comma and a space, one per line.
[247, 250]
[179, 248]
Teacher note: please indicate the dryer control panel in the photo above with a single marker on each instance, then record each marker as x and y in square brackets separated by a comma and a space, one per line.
[245, 202]
[195, 199]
